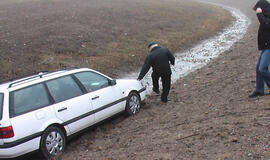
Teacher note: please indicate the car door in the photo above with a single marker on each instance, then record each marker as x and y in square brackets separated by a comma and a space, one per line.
[106, 97]
[71, 105]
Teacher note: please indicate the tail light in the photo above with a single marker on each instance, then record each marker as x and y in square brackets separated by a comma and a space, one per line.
[6, 132]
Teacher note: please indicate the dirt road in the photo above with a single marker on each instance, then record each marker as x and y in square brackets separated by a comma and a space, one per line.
[209, 115]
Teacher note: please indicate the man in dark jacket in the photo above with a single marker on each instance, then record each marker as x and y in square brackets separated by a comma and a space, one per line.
[262, 8]
[159, 59]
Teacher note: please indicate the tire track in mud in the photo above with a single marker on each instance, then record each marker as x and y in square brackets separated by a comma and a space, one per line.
[206, 51]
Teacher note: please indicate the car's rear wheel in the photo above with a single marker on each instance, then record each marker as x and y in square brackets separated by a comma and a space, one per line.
[133, 104]
[53, 142]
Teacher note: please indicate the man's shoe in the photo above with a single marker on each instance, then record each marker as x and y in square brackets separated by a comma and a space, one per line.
[268, 93]
[255, 94]
[156, 91]
[164, 100]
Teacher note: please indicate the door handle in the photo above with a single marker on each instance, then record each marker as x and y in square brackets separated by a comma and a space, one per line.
[96, 97]
[62, 109]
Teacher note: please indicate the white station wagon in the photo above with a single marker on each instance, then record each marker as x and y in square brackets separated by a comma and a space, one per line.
[44, 110]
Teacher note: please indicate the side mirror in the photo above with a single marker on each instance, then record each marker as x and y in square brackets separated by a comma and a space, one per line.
[112, 82]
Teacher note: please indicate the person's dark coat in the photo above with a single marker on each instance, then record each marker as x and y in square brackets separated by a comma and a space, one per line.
[264, 29]
[159, 59]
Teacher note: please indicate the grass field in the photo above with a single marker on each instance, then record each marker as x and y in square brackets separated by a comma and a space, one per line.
[108, 36]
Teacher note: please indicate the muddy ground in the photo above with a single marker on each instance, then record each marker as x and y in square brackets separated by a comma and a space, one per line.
[209, 115]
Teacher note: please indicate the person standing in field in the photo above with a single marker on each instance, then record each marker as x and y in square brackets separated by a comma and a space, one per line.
[262, 9]
[159, 59]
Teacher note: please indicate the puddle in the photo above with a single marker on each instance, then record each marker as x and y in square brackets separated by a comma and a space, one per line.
[200, 55]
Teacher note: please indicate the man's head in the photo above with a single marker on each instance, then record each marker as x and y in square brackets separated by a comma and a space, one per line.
[265, 6]
[151, 45]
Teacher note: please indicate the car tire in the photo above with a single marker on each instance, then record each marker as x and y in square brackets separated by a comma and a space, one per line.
[133, 104]
[53, 142]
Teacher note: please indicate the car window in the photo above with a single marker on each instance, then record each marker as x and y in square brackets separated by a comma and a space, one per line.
[92, 81]
[30, 98]
[1, 104]
[63, 88]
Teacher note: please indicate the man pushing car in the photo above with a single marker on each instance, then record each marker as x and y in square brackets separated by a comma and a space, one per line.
[159, 59]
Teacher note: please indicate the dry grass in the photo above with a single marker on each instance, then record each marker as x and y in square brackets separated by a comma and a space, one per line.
[104, 35]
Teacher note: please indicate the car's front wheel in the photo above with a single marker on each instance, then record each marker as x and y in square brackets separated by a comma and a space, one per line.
[133, 104]
[53, 142]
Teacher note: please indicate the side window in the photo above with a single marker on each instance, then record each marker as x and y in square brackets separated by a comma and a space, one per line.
[63, 88]
[1, 104]
[92, 81]
[29, 99]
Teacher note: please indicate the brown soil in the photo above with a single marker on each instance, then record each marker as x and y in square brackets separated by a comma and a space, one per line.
[209, 115]
[105, 35]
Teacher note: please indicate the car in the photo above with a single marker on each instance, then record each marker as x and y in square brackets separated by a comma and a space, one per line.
[43, 111]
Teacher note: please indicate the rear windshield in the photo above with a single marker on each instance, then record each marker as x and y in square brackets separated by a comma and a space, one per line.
[1, 104]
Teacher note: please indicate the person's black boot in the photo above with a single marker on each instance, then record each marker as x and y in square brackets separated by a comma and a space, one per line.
[255, 94]
[164, 100]
[156, 91]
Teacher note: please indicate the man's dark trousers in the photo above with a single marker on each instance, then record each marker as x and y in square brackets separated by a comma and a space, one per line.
[166, 84]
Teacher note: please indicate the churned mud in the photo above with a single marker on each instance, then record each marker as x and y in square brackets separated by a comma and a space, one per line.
[209, 115]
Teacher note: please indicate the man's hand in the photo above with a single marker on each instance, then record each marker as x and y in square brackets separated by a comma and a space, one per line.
[259, 10]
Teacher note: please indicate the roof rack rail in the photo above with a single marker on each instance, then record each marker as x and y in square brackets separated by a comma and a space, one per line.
[40, 74]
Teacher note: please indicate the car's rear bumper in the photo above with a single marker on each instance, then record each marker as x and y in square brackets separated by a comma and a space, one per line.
[20, 149]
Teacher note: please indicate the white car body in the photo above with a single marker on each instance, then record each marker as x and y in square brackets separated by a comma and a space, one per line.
[70, 115]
